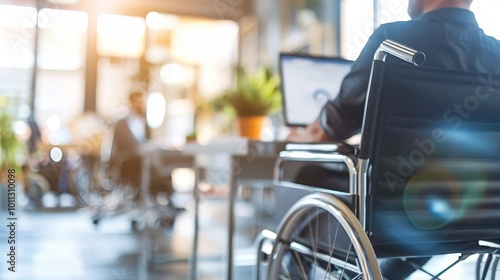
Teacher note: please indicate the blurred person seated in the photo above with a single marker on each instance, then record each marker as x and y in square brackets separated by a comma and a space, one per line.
[41, 173]
[131, 135]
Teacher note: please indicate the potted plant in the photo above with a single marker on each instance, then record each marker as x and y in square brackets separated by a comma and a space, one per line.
[11, 149]
[251, 99]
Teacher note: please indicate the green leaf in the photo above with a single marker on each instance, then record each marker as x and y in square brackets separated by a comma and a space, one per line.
[10, 146]
[253, 95]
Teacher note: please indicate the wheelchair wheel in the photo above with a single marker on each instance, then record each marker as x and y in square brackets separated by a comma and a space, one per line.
[487, 265]
[81, 185]
[320, 238]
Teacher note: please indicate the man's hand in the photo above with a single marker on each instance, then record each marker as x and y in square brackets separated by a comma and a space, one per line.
[312, 133]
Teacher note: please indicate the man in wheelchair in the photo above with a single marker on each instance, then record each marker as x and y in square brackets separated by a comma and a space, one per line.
[447, 33]
[445, 30]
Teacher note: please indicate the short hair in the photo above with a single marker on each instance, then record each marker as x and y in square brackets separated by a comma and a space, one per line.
[137, 89]
[134, 95]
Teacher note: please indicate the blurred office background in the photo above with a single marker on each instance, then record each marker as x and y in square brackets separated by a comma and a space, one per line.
[64, 59]
[68, 65]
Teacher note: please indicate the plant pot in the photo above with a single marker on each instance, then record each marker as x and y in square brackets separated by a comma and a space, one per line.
[251, 127]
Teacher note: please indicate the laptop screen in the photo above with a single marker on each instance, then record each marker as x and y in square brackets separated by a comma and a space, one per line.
[307, 83]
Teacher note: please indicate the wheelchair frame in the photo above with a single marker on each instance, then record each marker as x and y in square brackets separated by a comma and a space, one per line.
[353, 220]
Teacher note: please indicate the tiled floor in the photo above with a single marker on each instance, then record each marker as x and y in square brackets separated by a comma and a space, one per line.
[63, 244]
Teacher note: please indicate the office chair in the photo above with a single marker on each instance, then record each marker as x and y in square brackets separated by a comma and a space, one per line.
[423, 182]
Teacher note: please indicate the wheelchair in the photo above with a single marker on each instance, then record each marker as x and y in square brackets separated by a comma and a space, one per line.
[124, 185]
[423, 182]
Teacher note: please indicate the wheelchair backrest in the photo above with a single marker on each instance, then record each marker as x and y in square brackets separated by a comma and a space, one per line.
[432, 140]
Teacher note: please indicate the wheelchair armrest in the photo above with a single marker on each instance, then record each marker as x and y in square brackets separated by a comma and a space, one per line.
[318, 153]
[489, 244]
[330, 147]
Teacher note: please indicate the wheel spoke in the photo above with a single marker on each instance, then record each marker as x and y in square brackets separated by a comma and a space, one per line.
[358, 277]
[346, 259]
[317, 242]
[302, 269]
[286, 271]
[332, 247]
[313, 244]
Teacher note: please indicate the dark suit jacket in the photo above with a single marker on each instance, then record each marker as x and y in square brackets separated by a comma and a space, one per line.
[449, 37]
[125, 158]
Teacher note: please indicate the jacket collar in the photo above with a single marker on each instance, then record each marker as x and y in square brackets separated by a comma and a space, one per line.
[450, 14]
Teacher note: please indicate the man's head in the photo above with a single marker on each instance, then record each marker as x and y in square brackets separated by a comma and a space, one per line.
[418, 7]
[137, 102]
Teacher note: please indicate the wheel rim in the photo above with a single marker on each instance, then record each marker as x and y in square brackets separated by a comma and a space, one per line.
[342, 251]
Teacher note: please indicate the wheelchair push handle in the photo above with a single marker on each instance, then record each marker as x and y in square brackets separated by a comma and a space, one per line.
[400, 51]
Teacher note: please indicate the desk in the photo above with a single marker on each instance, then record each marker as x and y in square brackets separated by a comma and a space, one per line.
[246, 160]
[164, 161]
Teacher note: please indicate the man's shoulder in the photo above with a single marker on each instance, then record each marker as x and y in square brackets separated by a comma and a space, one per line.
[120, 121]
[398, 26]
[398, 23]
[121, 124]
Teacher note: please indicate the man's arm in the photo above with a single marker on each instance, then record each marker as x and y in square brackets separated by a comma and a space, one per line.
[342, 117]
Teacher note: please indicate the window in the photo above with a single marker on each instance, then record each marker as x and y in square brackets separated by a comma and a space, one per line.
[120, 45]
[308, 26]
[17, 44]
[392, 10]
[61, 69]
[120, 36]
[357, 26]
[186, 73]
[487, 16]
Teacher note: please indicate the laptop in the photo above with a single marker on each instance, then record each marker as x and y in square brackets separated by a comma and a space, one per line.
[307, 83]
